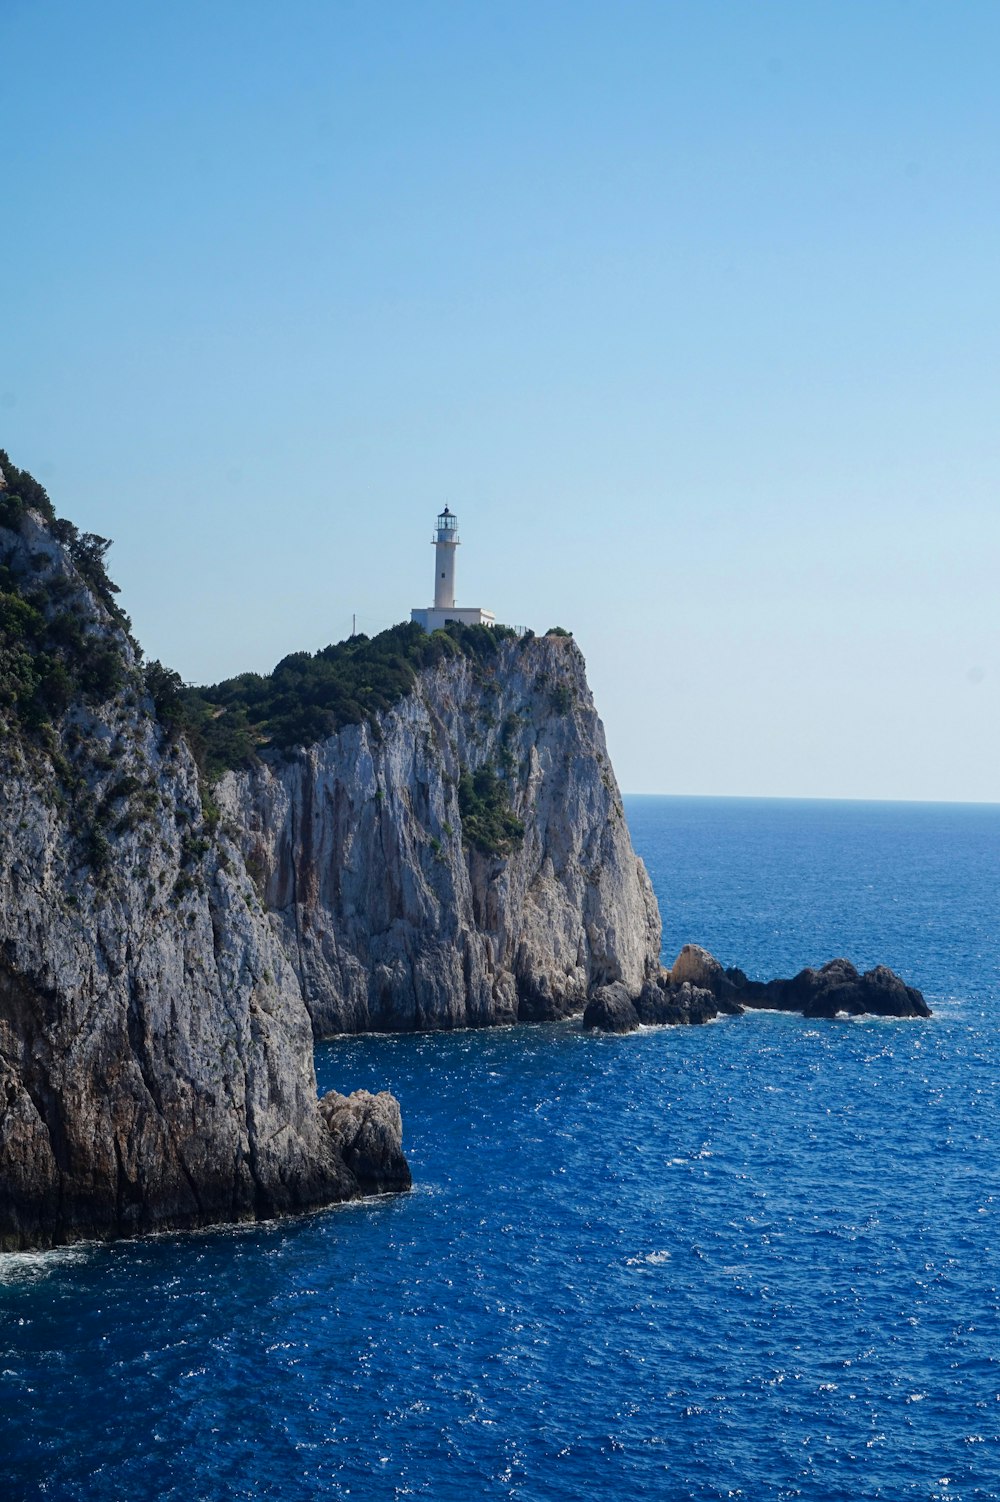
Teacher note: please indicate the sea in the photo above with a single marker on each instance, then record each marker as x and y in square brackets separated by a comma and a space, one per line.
[757, 1259]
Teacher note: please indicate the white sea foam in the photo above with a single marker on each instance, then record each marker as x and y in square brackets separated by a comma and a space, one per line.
[29, 1267]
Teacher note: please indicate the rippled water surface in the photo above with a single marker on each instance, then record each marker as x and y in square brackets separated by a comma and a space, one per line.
[757, 1259]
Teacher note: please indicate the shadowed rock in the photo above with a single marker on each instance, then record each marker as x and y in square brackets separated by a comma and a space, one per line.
[838, 988]
[661, 1002]
[697, 988]
[367, 1131]
[835, 988]
[610, 1010]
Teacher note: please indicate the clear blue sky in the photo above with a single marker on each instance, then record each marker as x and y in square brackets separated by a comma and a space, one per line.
[690, 310]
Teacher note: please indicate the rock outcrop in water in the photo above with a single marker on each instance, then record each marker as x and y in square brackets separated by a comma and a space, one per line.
[836, 989]
[391, 916]
[697, 989]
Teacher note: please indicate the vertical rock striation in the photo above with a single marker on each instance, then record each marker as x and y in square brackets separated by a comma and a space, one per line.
[155, 1053]
[167, 954]
[392, 914]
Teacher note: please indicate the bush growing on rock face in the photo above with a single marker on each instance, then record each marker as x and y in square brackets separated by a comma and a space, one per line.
[165, 688]
[48, 661]
[102, 674]
[488, 821]
[88, 551]
[23, 493]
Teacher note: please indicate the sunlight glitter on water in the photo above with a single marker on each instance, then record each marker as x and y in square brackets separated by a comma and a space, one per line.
[757, 1260]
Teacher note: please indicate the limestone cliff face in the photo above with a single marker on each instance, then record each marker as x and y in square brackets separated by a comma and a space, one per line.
[389, 918]
[166, 953]
[155, 1052]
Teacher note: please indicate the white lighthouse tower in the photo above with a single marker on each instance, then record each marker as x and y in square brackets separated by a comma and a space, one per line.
[444, 608]
[444, 560]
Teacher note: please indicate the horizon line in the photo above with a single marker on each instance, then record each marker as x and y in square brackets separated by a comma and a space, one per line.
[817, 798]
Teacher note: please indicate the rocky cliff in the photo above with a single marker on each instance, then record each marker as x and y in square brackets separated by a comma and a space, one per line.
[456, 855]
[391, 908]
[155, 1052]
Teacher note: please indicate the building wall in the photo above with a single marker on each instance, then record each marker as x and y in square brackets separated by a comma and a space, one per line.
[444, 575]
[433, 620]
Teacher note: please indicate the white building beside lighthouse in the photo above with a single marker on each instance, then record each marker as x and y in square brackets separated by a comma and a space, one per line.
[444, 608]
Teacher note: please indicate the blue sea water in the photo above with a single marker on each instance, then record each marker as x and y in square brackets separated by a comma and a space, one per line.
[758, 1259]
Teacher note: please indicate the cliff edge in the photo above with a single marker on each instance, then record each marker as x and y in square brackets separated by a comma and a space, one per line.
[448, 848]
[409, 832]
[156, 1061]
[461, 860]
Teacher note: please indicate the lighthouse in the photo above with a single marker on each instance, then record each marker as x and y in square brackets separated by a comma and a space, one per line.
[444, 609]
[445, 544]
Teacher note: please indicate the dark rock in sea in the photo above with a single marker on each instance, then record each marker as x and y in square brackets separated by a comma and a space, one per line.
[610, 1010]
[888, 996]
[698, 988]
[836, 988]
[367, 1130]
[662, 1003]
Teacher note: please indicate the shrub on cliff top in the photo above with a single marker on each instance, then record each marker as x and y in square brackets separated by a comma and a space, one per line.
[23, 493]
[311, 695]
[87, 549]
[47, 661]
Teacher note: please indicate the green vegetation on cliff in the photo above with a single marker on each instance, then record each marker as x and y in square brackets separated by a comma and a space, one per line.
[48, 660]
[87, 549]
[51, 660]
[310, 695]
[488, 821]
